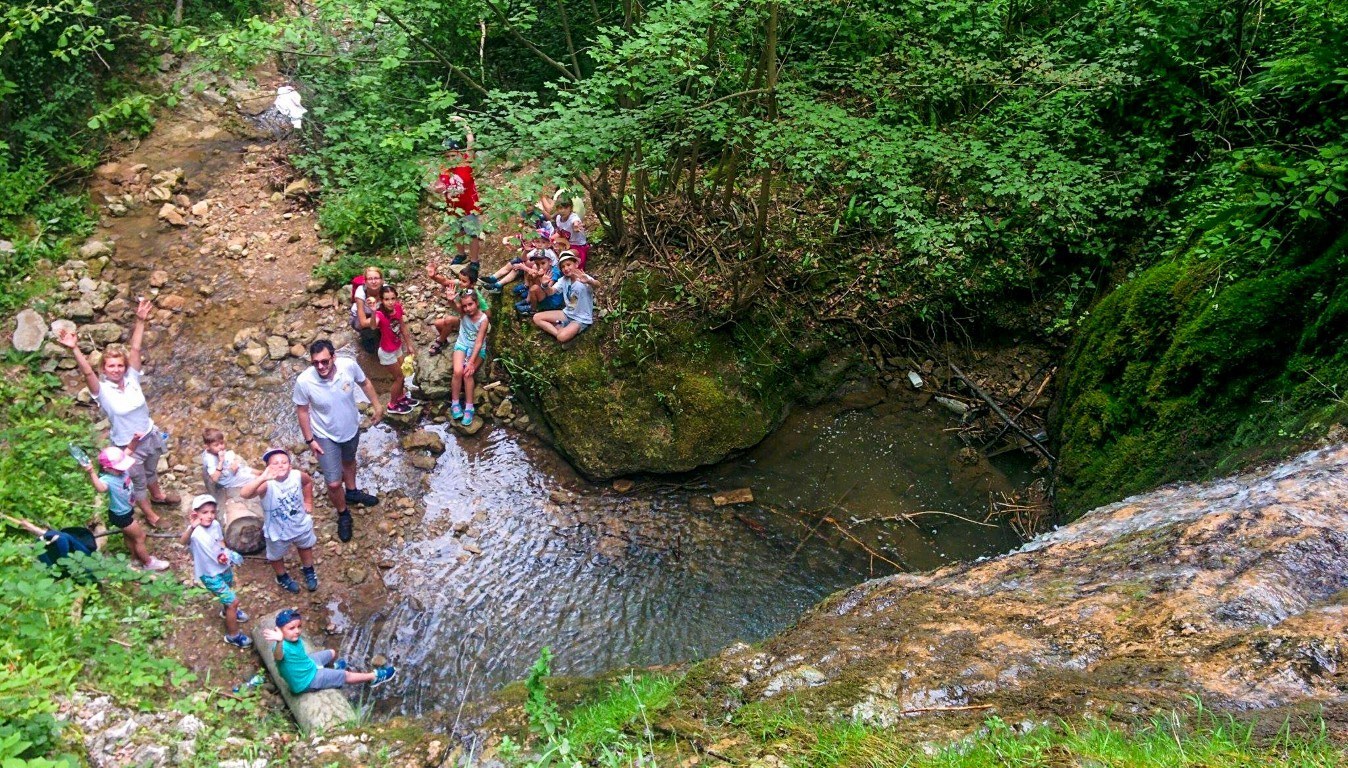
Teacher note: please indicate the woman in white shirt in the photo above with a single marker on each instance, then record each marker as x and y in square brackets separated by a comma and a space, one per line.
[119, 394]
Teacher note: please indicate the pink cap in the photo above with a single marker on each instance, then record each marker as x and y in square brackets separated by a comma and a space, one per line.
[113, 457]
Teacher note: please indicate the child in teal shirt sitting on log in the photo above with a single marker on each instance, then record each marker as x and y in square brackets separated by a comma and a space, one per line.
[304, 671]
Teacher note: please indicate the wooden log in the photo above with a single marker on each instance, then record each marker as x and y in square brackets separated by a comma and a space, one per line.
[243, 525]
[313, 711]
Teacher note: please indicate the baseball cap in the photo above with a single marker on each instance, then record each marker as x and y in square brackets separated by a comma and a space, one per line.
[538, 253]
[113, 457]
[287, 615]
[200, 501]
[266, 457]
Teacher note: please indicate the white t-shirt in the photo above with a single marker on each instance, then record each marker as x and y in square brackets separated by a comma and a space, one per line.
[207, 543]
[358, 297]
[126, 408]
[236, 476]
[283, 503]
[332, 402]
[571, 226]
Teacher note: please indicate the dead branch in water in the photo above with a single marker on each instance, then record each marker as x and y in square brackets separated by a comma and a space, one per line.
[907, 517]
[997, 409]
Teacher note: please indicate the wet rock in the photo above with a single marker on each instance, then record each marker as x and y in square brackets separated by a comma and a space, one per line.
[469, 429]
[245, 335]
[460, 527]
[472, 548]
[171, 302]
[159, 278]
[423, 440]
[623, 485]
[423, 462]
[169, 178]
[30, 331]
[255, 353]
[278, 347]
[561, 496]
[182, 201]
[158, 195]
[169, 213]
[505, 410]
[356, 574]
[94, 248]
[736, 496]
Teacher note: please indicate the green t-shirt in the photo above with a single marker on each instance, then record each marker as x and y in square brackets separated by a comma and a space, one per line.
[295, 666]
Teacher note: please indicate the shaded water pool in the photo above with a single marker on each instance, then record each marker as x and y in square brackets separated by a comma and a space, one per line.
[658, 574]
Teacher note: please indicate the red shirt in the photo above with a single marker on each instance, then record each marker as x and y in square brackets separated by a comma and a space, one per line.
[390, 319]
[460, 189]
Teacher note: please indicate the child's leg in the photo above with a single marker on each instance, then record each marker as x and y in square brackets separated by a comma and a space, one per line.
[569, 331]
[444, 327]
[396, 371]
[232, 617]
[134, 535]
[324, 657]
[359, 677]
[548, 321]
[279, 566]
[306, 556]
[456, 385]
[469, 386]
[536, 295]
[328, 678]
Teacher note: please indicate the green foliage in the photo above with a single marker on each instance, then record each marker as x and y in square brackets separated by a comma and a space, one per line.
[339, 270]
[42, 482]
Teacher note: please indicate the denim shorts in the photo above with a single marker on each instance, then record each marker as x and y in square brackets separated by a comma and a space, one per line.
[222, 586]
[334, 453]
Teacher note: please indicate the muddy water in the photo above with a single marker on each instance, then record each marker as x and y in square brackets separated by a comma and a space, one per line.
[656, 575]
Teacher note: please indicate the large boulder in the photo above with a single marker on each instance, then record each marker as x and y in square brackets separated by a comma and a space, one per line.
[30, 330]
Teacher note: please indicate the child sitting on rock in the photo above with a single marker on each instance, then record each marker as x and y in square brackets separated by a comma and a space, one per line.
[288, 503]
[464, 282]
[519, 265]
[223, 467]
[305, 670]
[214, 563]
[535, 294]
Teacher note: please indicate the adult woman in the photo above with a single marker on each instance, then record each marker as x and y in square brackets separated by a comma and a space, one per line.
[120, 396]
[369, 335]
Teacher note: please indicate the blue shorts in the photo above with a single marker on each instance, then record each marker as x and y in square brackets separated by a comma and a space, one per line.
[468, 352]
[222, 586]
[552, 302]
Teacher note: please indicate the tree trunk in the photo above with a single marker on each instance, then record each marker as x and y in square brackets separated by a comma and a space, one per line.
[313, 711]
[770, 84]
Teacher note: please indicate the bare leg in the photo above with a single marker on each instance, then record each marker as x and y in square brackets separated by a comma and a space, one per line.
[279, 566]
[147, 509]
[569, 332]
[306, 556]
[444, 327]
[469, 385]
[396, 371]
[359, 677]
[456, 385]
[349, 473]
[232, 618]
[134, 536]
[548, 321]
[475, 250]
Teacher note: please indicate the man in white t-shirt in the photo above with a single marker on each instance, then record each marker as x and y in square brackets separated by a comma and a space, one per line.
[325, 404]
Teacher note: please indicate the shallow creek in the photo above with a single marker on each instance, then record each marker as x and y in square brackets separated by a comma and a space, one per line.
[658, 574]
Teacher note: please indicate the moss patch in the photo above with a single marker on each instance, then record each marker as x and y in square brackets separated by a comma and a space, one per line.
[1186, 372]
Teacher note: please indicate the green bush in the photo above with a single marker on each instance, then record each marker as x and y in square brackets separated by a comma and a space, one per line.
[340, 269]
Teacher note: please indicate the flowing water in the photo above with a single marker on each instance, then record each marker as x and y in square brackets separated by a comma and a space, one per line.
[656, 575]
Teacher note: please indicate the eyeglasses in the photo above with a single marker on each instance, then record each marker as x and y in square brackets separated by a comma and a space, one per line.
[321, 362]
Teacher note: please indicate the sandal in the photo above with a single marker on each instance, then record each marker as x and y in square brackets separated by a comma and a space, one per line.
[170, 499]
[436, 348]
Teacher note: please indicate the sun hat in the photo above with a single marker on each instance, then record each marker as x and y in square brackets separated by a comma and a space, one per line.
[113, 457]
[568, 256]
[266, 457]
[200, 501]
[287, 615]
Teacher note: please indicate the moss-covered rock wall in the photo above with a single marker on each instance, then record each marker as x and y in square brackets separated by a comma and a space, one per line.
[1196, 367]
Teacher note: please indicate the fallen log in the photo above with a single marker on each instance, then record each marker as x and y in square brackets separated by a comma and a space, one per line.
[313, 711]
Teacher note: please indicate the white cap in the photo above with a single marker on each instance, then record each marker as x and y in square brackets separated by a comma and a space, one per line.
[203, 500]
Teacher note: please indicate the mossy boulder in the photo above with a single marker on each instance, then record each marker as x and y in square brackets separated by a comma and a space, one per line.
[1188, 371]
[670, 400]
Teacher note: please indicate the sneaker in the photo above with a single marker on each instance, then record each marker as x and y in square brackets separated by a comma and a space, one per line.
[524, 309]
[357, 496]
[409, 401]
[456, 411]
[239, 641]
[383, 675]
[343, 528]
[399, 408]
[156, 564]
[339, 665]
[242, 615]
[310, 579]
[459, 259]
[468, 414]
[287, 583]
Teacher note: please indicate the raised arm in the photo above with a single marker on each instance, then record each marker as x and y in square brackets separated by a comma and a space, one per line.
[435, 275]
[143, 309]
[253, 488]
[191, 526]
[70, 341]
[95, 480]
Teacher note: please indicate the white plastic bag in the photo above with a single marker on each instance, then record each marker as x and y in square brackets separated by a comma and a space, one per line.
[288, 104]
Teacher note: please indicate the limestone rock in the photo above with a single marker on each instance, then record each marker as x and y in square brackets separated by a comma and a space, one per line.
[298, 188]
[736, 496]
[159, 278]
[172, 302]
[169, 213]
[30, 330]
[469, 429]
[278, 347]
[81, 311]
[242, 338]
[505, 410]
[93, 248]
[423, 461]
[423, 440]
[200, 209]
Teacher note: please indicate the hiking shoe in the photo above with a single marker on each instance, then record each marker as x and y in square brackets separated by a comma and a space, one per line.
[343, 527]
[242, 616]
[459, 259]
[383, 675]
[310, 579]
[468, 414]
[357, 496]
[156, 564]
[409, 401]
[287, 583]
[239, 641]
[456, 411]
[399, 408]
[339, 665]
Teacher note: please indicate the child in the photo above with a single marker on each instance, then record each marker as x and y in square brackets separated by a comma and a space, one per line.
[565, 219]
[465, 282]
[59, 544]
[517, 266]
[538, 281]
[469, 350]
[288, 501]
[304, 671]
[214, 563]
[577, 313]
[116, 483]
[223, 467]
[386, 314]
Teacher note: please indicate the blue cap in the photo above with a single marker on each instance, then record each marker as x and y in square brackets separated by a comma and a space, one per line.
[286, 616]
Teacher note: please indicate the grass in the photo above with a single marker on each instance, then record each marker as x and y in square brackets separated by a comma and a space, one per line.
[625, 707]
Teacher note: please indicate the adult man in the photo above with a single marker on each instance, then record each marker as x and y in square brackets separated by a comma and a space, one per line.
[325, 404]
[461, 203]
